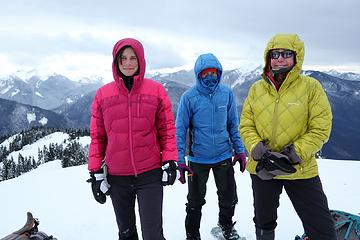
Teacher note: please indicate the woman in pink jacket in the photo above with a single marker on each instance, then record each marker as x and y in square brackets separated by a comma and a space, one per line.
[132, 132]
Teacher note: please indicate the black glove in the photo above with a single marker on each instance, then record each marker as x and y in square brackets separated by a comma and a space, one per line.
[260, 151]
[279, 164]
[289, 151]
[169, 173]
[99, 187]
[271, 163]
[274, 164]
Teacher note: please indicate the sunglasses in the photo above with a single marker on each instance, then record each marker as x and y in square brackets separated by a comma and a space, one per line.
[285, 54]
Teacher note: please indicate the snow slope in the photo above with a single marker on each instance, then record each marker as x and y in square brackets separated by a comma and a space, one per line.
[62, 201]
[32, 149]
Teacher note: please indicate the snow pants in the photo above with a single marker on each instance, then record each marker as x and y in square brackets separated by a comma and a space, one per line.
[148, 190]
[308, 199]
[226, 191]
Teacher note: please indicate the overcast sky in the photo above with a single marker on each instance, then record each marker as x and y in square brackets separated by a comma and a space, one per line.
[76, 37]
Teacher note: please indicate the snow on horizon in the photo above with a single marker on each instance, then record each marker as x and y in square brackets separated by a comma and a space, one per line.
[27, 74]
[243, 68]
[63, 202]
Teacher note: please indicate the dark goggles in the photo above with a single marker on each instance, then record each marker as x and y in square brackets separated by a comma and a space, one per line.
[275, 54]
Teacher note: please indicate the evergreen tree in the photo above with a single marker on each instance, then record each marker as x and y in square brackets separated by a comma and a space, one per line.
[66, 159]
[27, 164]
[51, 153]
[12, 169]
[3, 153]
[40, 156]
[33, 163]
[5, 169]
[45, 154]
[20, 165]
[79, 154]
[17, 170]
[58, 151]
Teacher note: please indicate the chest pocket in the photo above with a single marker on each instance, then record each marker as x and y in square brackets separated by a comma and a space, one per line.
[220, 115]
[145, 107]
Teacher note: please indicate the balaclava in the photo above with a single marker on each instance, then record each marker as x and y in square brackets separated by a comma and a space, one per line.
[210, 81]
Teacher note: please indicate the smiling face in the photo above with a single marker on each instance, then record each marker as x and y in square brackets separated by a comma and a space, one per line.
[281, 58]
[128, 62]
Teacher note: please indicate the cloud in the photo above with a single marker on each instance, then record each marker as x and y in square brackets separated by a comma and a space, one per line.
[32, 47]
[160, 55]
[175, 32]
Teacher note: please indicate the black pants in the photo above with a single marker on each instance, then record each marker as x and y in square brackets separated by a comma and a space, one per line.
[148, 190]
[308, 199]
[226, 191]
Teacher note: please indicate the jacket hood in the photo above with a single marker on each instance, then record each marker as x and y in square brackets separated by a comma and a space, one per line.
[139, 51]
[286, 41]
[204, 61]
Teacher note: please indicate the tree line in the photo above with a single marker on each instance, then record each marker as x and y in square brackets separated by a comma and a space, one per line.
[70, 152]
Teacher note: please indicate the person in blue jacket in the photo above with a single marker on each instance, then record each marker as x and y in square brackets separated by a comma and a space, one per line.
[208, 111]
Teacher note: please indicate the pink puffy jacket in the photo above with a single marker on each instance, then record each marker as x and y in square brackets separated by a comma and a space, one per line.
[133, 131]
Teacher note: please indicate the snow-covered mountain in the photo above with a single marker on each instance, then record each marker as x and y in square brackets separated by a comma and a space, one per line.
[184, 77]
[344, 98]
[78, 113]
[229, 77]
[45, 91]
[347, 75]
[16, 117]
[343, 95]
[63, 202]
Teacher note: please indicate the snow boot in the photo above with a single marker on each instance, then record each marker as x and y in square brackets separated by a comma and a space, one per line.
[262, 234]
[228, 231]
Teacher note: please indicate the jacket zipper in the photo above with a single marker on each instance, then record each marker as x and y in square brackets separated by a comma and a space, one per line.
[212, 125]
[274, 120]
[130, 136]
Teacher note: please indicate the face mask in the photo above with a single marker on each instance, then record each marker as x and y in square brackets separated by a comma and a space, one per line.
[210, 81]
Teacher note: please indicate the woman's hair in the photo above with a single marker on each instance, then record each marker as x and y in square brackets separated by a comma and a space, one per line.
[118, 58]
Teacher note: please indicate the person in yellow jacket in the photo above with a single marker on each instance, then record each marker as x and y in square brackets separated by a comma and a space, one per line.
[285, 121]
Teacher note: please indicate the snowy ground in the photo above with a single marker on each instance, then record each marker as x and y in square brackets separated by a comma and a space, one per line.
[63, 202]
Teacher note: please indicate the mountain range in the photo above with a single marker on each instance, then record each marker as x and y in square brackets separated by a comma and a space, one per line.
[15, 117]
[49, 93]
[70, 102]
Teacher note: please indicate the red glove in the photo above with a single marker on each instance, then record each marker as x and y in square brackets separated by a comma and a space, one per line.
[241, 158]
[183, 168]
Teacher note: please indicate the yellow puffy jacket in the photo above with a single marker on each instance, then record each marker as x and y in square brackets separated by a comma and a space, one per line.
[298, 113]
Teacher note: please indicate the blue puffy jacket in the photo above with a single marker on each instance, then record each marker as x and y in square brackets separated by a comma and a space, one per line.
[211, 116]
